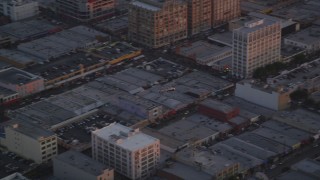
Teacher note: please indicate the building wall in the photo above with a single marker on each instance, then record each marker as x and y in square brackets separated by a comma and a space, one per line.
[158, 28]
[8, 99]
[38, 150]
[138, 164]
[199, 16]
[138, 109]
[26, 89]
[19, 12]
[224, 11]
[272, 100]
[87, 10]
[63, 170]
[255, 49]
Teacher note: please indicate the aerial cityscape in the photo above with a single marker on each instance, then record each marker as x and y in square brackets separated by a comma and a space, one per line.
[159, 89]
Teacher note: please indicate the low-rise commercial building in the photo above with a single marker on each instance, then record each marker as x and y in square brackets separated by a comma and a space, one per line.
[27, 30]
[139, 106]
[273, 98]
[308, 39]
[8, 96]
[218, 110]
[129, 151]
[75, 165]
[214, 165]
[29, 140]
[204, 53]
[190, 133]
[21, 81]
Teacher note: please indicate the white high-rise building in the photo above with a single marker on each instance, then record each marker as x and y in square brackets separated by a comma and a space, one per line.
[256, 44]
[129, 151]
[19, 9]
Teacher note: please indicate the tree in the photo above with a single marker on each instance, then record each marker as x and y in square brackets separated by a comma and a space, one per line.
[299, 59]
[300, 94]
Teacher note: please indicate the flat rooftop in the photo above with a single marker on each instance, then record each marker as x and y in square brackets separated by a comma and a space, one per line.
[222, 38]
[146, 6]
[287, 130]
[309, 36]
[247, 30]
[164, 139]
[81, 162]
[27, 29]
[18, 57]
[114, 25]
[212, 163]
[263, 142]
[165, 68]
[186, 172]
[203, 51]
[120, 84]
[163, 100]
[308, 166]
[246, 161]
[126, 138]
[43, 113]
[303, 13]
[61, 43]
[29, 129]
[300, 119]
[217, 105]
[187, 131]
[147, 104]
[277, 136]
[248, 148]
[113, 50]
[6, 92]
[209, 123]
[16, 76]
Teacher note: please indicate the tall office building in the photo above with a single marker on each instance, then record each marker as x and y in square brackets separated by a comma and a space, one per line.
[85, 10]
[224, 11]
[199, 16]
[129, 151]
[256, 44]
[156, 23]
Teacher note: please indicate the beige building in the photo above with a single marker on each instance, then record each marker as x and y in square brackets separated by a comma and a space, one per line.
[29, 140]
[129, 151]
[75, 165]
[85, 10]
[256, 44]
[224, 11]
[156, 23]
[199, 16]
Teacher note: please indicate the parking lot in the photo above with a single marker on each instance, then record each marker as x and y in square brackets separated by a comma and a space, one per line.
[10, 163]
[80, 132]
